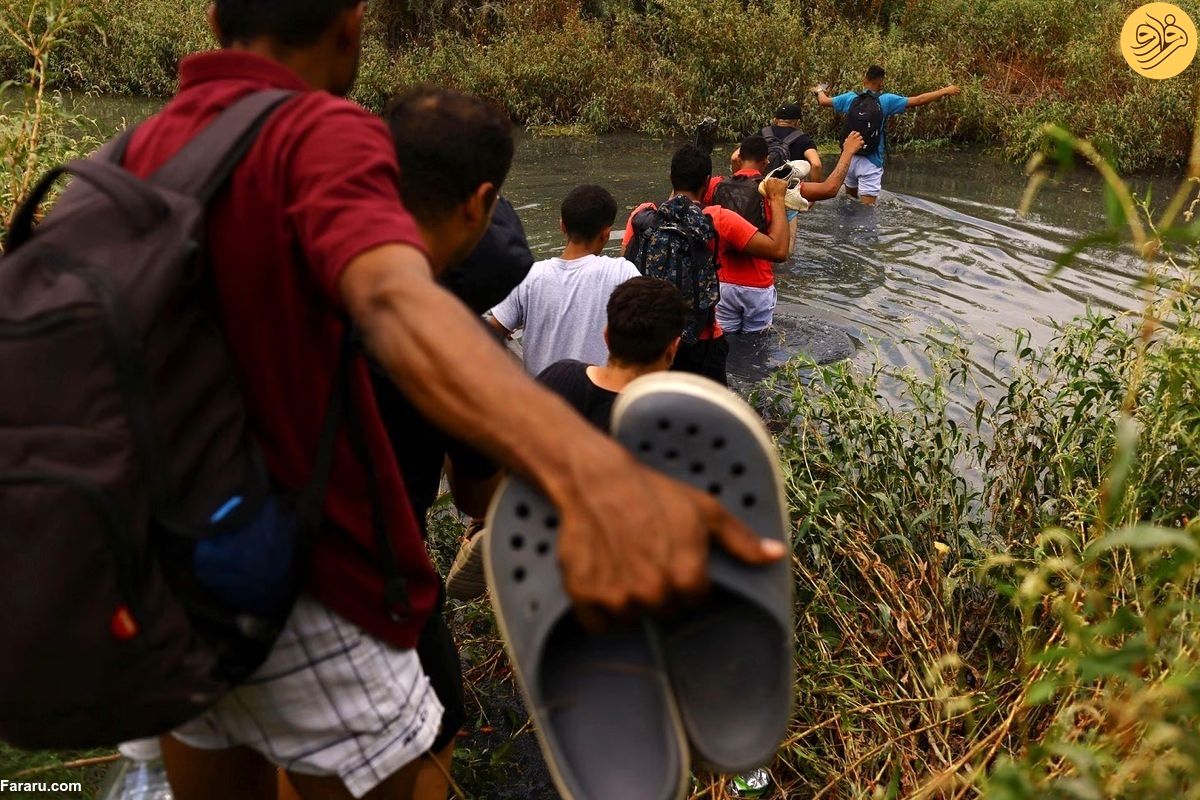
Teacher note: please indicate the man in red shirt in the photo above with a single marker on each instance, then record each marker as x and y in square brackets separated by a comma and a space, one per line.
[691, 171]
[748, 295]
[309, 234]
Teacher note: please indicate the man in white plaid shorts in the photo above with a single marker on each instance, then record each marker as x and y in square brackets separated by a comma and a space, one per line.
[311, 223]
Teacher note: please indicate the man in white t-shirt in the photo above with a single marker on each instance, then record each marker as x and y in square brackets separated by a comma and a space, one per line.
[562, 303]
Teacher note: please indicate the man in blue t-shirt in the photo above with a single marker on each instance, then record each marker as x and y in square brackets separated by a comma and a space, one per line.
[866, 170]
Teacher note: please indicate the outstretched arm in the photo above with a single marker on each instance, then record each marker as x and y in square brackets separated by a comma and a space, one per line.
[833, 184]
[776, 243]
[929, 97]
[461, 380]
[823, 99]
[814, 158]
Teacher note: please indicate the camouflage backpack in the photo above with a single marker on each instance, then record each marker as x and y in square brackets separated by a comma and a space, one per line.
[677, 242]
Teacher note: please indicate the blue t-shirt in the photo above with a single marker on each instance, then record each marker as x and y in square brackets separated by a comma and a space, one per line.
[891, 104]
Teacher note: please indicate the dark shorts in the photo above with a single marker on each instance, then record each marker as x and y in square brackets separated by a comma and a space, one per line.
[439, 659]
[705, 357]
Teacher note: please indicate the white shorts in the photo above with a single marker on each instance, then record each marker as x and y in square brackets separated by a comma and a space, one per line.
[864, 176]
[746, 309]
[329, 700]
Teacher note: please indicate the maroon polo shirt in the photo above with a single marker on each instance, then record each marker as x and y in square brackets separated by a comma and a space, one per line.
[320, 181]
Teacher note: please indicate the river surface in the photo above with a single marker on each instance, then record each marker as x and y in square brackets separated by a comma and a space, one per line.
[943, 255]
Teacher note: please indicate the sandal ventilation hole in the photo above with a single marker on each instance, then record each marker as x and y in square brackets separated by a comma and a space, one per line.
[714, 489]
[718, 443]
[519, 574]
[749, 501]
[697, 468]
[523, 510]
[534, 607]
[543, 548]
[738, 470]
[517, 541]
[552, 522]
[692, 429]
[671, 455]
[645, 447]
[664, 424]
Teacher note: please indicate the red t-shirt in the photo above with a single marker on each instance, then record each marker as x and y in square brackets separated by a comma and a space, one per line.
[733, 231]
[321, 180]
[735, 266]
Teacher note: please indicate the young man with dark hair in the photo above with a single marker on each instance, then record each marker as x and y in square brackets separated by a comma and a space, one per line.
[748, 295]
[308, 234]
[645, 319]
[868, 112]
[560, 305]
[451, 194]
[786, 128]
[437, 178]
[727, 234]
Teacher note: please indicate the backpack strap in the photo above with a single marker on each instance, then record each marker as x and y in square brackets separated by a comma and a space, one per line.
[203, 166]
[793, 136]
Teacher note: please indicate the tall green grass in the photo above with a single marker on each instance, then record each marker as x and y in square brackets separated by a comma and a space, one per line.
[657, 67]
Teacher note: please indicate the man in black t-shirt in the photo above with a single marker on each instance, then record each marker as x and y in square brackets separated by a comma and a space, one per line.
[786, 128]
[477, 248]
[645, 320]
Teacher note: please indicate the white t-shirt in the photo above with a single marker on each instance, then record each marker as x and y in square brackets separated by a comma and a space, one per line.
[563, 307]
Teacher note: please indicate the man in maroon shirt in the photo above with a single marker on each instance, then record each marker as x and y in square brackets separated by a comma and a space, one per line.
[311, 231]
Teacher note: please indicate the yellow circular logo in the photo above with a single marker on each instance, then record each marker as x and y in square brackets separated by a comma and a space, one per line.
[1159, 40]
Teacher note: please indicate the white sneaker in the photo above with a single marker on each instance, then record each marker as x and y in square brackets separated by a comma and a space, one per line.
[798, 172]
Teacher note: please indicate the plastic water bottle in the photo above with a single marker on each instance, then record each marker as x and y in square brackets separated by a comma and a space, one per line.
[139, 775]
[752, 784]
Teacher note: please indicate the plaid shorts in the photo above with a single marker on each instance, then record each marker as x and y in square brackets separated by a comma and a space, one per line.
[329, 700]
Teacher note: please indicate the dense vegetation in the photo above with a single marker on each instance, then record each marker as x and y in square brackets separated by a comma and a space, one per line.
[997, 600]
[657, 66]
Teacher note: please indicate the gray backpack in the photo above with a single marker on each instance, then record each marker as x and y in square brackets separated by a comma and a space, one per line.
[779, 151]
[126, 465]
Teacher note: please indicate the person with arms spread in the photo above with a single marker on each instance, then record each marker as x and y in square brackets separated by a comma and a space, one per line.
[867, 113]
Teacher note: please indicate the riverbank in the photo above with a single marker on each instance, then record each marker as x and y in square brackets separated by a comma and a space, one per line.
[658, 67]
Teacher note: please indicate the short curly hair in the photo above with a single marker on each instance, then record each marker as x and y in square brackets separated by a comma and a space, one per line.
[644, 316]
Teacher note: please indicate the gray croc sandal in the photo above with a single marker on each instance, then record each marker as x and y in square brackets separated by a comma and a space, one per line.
[730, 658]
[602, 708]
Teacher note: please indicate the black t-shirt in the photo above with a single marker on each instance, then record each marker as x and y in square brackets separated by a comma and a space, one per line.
[569, 379]
[421, 448]
[802, 144]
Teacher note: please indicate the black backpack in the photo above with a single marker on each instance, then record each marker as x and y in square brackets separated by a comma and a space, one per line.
[740, 193]
[677, 243]
[130, 489]
[865, 116]
[779, 151]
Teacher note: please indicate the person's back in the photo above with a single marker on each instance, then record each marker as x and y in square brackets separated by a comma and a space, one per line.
[561, 303]
[748, 294]
[645, 319]
[281, 313]
[691, 174]
[785, 127]
[867, 113]
[310, 238]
